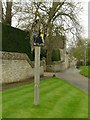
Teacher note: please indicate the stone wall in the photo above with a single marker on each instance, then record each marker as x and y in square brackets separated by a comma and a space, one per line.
[15, 67]
[62, 65]
[42, 63]
[73, 62]
[56, 67]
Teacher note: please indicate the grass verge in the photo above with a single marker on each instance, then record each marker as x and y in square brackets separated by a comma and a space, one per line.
[58, 99]
[85, 71]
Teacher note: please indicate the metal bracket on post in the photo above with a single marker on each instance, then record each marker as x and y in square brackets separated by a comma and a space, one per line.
[37, 75]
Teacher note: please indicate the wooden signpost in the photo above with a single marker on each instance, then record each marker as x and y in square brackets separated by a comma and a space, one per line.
[37, 75]
[37, 41]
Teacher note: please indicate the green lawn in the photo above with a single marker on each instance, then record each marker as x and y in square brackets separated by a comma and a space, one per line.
[58, 99]
[85, 70]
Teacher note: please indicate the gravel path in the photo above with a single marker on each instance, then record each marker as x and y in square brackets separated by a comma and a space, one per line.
[73, 76]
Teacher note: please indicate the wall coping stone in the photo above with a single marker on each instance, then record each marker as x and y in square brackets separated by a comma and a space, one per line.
[13, 56]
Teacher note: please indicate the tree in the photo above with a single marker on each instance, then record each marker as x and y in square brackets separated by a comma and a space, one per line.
[80, 51]
[60, 17]
[65, 13]
[7, 12]
[1, 12]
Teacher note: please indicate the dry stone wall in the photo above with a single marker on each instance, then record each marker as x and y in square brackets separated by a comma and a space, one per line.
[15, 67]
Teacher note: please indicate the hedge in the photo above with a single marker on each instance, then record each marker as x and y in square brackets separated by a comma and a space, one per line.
[15, 40]
[56, 55]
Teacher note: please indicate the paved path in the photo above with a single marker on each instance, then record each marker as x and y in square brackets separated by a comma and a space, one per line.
[73, 76]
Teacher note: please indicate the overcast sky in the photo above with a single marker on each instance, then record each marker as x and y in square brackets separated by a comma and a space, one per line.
[84, 18]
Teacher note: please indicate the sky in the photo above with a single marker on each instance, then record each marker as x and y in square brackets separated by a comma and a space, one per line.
[84, 18]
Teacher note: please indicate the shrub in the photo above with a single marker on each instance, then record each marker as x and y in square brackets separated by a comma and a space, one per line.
[56, 55]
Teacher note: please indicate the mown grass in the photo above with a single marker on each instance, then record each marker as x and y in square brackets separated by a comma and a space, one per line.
[85, 71]
[58, 99]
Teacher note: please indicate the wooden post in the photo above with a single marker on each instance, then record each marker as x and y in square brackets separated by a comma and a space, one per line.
[37, 75]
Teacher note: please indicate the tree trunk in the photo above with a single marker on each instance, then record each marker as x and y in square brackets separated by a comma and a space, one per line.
[1, 12]
[8, 13]
[49, 54]
[49, 46]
